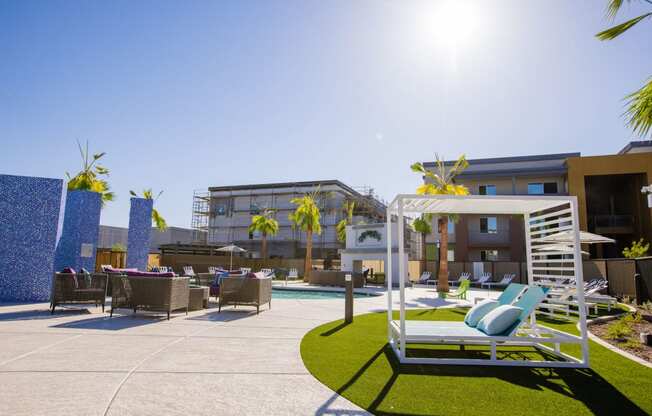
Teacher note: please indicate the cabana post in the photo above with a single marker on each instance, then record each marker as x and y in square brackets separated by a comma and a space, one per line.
[543, 216]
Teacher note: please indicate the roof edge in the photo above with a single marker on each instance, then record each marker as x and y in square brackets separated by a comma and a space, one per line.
[509, 159]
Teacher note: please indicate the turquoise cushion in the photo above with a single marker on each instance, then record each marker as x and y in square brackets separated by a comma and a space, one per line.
[478, 312]
[498, 320]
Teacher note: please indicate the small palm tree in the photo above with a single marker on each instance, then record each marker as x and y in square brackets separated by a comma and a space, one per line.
[266, 225]
[442, 182]
[157, 219]
[639, 103]
[90, 177]
[306, 217]
[422, 226]
[348, 208]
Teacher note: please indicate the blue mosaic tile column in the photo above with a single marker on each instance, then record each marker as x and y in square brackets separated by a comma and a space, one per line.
[29, 214]
[81, 227]
[140, 229]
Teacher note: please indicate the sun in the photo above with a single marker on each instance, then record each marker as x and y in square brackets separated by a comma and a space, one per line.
[452, 22]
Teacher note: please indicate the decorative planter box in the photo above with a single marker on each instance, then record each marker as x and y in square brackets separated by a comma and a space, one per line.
[140, 229]
[29, 215]
[81, 227]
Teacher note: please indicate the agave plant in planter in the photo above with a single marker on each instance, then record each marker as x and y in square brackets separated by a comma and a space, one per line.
[158, 221]
[91, 177]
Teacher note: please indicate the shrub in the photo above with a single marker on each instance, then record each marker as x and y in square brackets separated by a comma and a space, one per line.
[618, 330]
[638, 249]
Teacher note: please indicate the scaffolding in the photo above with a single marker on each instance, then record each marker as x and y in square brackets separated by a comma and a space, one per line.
[200, 216]
[205, 209]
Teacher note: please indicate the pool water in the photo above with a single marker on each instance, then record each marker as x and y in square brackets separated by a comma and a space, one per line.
[314, 294]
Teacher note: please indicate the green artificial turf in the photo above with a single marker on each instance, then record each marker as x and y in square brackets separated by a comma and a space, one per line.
[355, 361]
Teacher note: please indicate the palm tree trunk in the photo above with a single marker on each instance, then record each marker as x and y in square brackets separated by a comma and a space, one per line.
[264, 246]
[442, 284]
[423, 252]
[308, 266]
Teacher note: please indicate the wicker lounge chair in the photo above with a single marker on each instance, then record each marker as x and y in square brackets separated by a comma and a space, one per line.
[245, 291]
[78, 288]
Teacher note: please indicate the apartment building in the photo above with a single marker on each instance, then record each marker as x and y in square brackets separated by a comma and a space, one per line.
[500, 237]
[225, 212]
[608, 190]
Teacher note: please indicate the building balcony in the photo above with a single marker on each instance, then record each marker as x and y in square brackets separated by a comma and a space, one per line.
[500, 238]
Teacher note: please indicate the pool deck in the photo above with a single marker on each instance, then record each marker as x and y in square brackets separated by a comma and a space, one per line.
[81, 362]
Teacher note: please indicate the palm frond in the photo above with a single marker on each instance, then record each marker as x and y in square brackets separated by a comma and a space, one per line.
[418, 167]
[159, 221]
[639, 111]
[618, 30]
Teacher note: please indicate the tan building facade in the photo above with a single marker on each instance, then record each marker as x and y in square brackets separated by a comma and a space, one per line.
[608, 190]
[610, 202]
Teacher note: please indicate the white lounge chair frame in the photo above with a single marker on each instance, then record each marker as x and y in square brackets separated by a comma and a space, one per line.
[543, 215]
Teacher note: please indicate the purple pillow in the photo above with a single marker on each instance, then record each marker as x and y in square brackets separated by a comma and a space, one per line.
[149, 274]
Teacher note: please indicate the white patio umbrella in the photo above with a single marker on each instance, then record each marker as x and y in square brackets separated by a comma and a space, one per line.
[560, 248]
[231, 249]
[585, 238]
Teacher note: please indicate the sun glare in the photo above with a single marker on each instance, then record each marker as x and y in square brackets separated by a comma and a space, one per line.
[452, 22]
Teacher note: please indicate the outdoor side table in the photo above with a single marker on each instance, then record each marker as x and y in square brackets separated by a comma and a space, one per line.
[198, 298]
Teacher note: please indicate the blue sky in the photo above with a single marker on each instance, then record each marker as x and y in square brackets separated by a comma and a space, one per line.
[185, 95]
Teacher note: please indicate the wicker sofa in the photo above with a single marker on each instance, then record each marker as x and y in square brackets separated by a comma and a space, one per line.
[245, 291]
[78, 288]
[158, 294]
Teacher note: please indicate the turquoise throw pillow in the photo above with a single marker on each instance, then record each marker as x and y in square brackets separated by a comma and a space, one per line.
[478, 311]
[499, 320]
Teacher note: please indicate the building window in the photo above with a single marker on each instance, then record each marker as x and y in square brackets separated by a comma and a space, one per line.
[540, 188]
[488, 255]
[220, 209]
[254, 209]
[488, 225]
[451, 226]
[487, 189]
[451, 255]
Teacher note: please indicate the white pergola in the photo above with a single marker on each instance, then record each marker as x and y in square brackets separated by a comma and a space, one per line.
[543, 216]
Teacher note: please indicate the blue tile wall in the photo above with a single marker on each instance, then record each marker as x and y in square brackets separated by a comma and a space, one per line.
[29, 213]
[81, 225]
[140, 228]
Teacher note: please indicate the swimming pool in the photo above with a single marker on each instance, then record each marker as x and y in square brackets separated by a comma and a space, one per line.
[314, 294]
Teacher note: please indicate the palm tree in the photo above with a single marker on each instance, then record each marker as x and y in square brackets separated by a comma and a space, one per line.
[159, 221]
[422, 226]
[306, 217]
[266, 225]
[89, 178]
[348, 208]
[639, 103]
[442, 182]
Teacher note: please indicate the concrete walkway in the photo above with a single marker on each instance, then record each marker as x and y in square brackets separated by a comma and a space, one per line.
[81, 362]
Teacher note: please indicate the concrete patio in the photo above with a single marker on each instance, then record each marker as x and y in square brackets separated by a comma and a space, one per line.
[81, 362]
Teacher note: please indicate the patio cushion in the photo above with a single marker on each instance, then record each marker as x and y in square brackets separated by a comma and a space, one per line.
[498, 320]
[479, 311]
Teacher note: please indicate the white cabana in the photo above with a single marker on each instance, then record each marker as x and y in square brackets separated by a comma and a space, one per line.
[543, 216]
